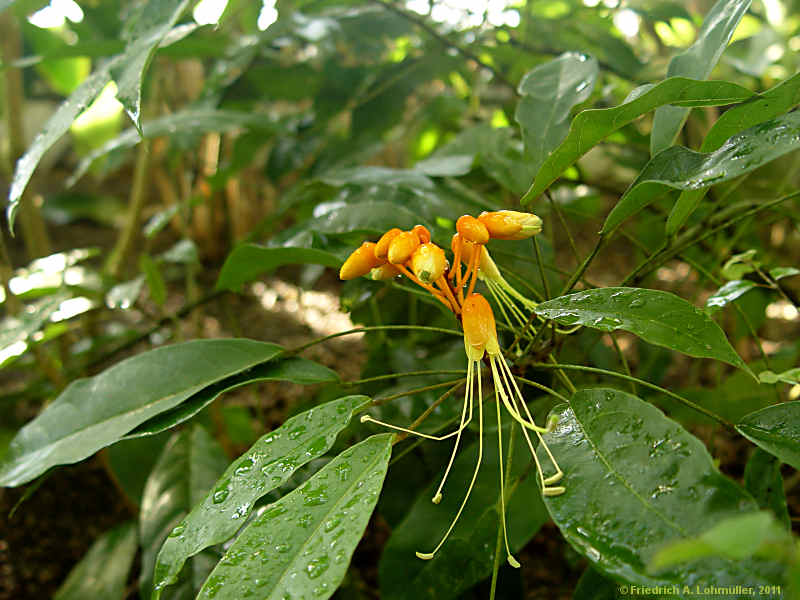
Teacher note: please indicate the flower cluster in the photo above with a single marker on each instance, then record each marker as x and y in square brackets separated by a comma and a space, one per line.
[411, 253]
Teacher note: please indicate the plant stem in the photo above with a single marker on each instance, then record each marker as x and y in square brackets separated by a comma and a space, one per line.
[373, 328]
[406, 374]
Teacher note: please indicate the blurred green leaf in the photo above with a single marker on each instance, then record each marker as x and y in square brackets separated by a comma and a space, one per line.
[684, 169]
[103, 572]
[154, 279]
[266, 465]
[728, 293]
[16, 331]
[589, 127]
[94, 412]
[630, 474]
[594, 586]
[696, 62]
[125, 294]
[186, 469]
[762, 478]
[656, 316]
[776, 429]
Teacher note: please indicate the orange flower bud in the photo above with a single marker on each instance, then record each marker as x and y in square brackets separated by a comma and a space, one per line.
[384, 272]
[428, 262]
[472, 230]
[382, 247]
[510, 224]
[480, 331]
[422, 233]
[402, 247]
[360, 262]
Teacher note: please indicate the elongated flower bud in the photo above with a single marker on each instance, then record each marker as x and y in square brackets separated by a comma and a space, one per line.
[360, 262]
[480, 331]
[472, 230]
[428, 262]
[382, 247]
[384, 273]
[402, 247]
[510, 224]
[422, 233]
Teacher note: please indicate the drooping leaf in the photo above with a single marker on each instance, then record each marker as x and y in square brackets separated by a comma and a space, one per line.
[684, 169]
[656, 316]
[130, 462]
[780, 272]
[294, 369]
[591, 126]
[629, 474]
[697, 62]
[549, 92]
[762, 478]
[728, 293]
[188, 467]
[300, 546]
[94, 412]
[467, 556]
[265, 466]
[776, 429]
[248, 261]
[102, 573]
[594, 586]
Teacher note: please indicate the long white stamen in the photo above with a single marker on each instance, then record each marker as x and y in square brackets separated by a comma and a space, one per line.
[556, 477]
[430, 555]
[472, 366]
[511, 560]
[504, 379]
[493, 290]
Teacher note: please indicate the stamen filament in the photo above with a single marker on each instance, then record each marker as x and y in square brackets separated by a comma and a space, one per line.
[509, 557]
[445, 287]
[456, 269]
[474, 264]
[499, 381]
[510, 376]
[436, 293]
[439, 438]
[430, 555]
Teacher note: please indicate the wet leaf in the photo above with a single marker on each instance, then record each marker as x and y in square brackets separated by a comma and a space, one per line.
[102, 573]
[589, 127]
[696, 62]
[684, 169]
[94, 412]
[762, 478]
[658, 317]
[594, 586]
[248, 261]
[187, 468]
[629, 474]
[300, 546]
[728, 293]
[776, 429]
[266, 465]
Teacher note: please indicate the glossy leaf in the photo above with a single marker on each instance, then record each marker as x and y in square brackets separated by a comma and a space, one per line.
[468, 555]
[696, 62]
[763, 479]
[188, 467]
[776, 429]
[94, 412]
[658, 317]
[266, 465]
[594, 586]
[549, 92]
[130, 463]
[16, 329]
[684, 169]
[103, 572]
[294, 369]
[589, 127]
[248, 261]
[300, 546]
[780, 272]
[735, 538]
[728, 293]
[630, 473]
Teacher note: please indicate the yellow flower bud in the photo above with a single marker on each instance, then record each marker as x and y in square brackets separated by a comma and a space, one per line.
[422, 233]
[472, 230]
[402, 247]
[480, 331]
[360, 262]
[384, 273]
[428, 262]
[510, 224]
[382, 247]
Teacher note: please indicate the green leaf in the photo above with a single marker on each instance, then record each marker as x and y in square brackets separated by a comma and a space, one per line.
[467, 556]
[266, 465]
[792, 377]
[728, 293]
[548, 94]
[593, 586]
[780, 272]
[697, 62]
[591, 126]
[684, 169]
[187, 468]
[102, 573]
[300, 547]
[154, 278]
[130, 462]
[18, 329]
[370, 175]
[248, 261]
[125, 294]
[94, 412]
[294, 369]
[762, 478]
[735, 538]
[658, 317]
[635, 480]
[776, 429]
